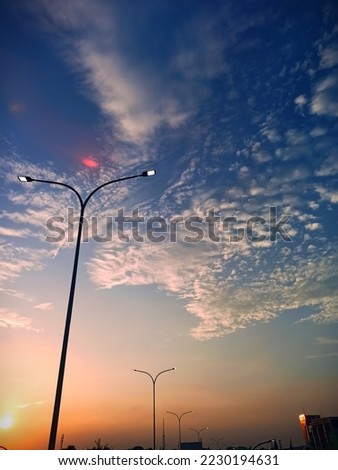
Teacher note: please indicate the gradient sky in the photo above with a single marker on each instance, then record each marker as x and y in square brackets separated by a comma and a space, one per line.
[235, 104]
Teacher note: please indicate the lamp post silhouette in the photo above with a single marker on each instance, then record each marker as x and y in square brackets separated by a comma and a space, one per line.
[83, 204]
[198, 432]
[272, 442]
[217, 441]
[153, 379]
[179, 425]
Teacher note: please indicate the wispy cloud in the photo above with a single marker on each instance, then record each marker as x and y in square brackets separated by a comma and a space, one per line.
[10, 319]
[324, 341]
[17, 294]
[29, 405]
[329, 56]
[128, 91]
[134, 97]
[322, 356]
[329, 166]
[11, 232]
[18, 259]
[44, 306]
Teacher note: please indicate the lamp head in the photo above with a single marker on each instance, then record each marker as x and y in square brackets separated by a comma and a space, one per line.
[148, 173]
[25, 179]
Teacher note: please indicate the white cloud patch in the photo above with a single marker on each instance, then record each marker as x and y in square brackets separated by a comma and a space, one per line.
[329, 56]
[329, 167]
[11, 232]
[318, 131]
[300, 101]
[327, 194]
[313, 226]
[18, 259]
[313, 205]
[119, 93]
[10, 319]
[44, 306]
[17, 294]
[295, 137]
[271, 134]
[129, 97]
[325, 99]
[324, 341]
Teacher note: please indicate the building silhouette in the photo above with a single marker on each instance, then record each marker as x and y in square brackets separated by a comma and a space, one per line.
[319, 432]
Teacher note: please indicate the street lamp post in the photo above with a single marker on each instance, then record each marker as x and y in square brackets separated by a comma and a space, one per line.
[272, 442]
[153, 379]
[198, 433]
[179, 425]
[217, 441]
[83, 204]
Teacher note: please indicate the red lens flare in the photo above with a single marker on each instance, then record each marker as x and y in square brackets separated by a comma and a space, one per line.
[89, 162]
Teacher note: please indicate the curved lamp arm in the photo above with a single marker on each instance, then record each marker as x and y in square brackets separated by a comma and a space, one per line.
[29, 179]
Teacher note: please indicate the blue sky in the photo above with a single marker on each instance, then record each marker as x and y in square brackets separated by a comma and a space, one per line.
[235, 104]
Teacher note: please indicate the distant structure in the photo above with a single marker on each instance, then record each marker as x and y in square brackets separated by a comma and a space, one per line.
[305, 423]
[163, 437]
[319, 433]
[196, 445]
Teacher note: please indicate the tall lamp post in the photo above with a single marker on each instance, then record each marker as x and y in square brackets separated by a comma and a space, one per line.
[153, 379]
[83, 204]
[198, 432]
[179, 425]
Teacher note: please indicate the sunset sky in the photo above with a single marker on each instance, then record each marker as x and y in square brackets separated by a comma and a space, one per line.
[228, 266]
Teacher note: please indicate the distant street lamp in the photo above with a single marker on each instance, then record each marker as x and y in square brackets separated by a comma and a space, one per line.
[83, 204]
[179, 425]
[153, 379]
[217, 441]
[272, 442]
[198, 433]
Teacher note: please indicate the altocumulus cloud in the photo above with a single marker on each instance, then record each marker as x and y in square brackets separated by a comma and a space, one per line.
[216, 283]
